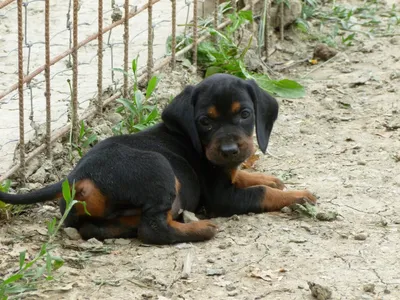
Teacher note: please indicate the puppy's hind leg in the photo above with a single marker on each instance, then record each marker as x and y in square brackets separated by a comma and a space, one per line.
[157, 225]
[123, 227]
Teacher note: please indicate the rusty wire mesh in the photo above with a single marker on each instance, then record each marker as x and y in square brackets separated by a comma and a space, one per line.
[53, 101]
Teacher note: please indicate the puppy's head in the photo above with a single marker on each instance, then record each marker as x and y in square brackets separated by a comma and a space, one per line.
[220, 114]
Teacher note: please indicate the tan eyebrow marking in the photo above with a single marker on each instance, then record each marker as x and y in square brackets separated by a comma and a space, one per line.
[212, 112]
[235, 107]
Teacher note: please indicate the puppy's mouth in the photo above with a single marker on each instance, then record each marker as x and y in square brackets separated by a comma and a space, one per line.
[230, 154]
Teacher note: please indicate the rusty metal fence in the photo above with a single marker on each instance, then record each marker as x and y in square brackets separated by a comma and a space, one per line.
[19, 61]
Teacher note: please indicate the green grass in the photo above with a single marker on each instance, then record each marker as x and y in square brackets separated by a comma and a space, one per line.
[341, 25]
[137, 113]
[8, 210]
[33, 272]
[227, 55]
[86, 139]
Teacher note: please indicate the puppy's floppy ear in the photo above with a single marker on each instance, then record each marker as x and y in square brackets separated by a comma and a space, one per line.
[266, 109]
[178, 116]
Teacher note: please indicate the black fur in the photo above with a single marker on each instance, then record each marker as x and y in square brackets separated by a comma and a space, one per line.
[138, 171]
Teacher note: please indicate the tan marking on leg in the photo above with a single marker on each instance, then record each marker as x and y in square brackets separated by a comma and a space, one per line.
[203, 228]
[87, 191]
[275, 200]
[243, 179]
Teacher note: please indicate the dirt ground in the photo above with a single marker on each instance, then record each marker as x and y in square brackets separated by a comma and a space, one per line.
[341, 141]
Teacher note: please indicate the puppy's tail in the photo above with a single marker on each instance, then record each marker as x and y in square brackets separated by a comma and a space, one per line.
[47, 193]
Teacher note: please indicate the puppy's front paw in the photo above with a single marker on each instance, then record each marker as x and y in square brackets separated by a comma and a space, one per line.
[275, 199]
[302, 197]
[276, 183]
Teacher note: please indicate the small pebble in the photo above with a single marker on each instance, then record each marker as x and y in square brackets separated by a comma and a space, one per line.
[233, 294]
[7, 241]
[210, 260]
[384, 222]
[326, 216]
[72, 233]
[94, 241]
[215, 272]
[391, 90]
[298, 241]
[224, 246]
[183, 246]
[307, 228]
[230, 287]
[395, 41]
[360, 237]
[286, 210]
[189, 217]
[369, 288]
[122, 242]
[234, 218]
[320, 292]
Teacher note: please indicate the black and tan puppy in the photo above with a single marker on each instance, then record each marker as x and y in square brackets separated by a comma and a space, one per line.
[134, 185]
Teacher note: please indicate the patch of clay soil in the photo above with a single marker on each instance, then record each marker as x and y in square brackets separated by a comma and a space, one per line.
[341, 141]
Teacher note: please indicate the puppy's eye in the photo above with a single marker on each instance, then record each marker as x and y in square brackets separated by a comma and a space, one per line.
[205, 121]
[244, 114]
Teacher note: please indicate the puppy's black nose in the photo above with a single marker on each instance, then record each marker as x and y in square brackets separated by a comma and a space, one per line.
[229, 149]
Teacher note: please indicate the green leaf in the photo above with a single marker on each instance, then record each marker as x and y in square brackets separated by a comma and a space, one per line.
[58, 262]
[39, 272]
[43, 250]
[119, 109]
[246, 15]
[245, 72]
[48, 263]
[138, 101]
[90, 140]
[84, 207]
[139, 127]
[207, 52]
[152, 116]
[149, 107]
[82, 130]
[134, 64]
[151, 86]
[128, 105]
[22, 255]
[214, 70]
[66, 191]
[51, 225]
[302, 25]
[18, 289]
[283, 88]
[220, 34]
[246, 49]
[12, 279]
[5, 185]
